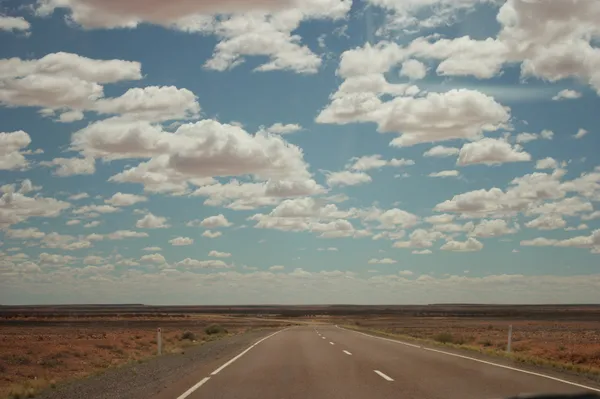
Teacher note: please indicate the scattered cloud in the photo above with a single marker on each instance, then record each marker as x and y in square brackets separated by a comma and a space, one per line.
[151, 221]
[153, 258]
[213, 222]
[580, 133]
[123, 234]
[492, 228]
[490, 151]
[202, 264]
[441, 151]
[152, 249]
[72, 166]
[212, 234]
[280, 128]
[94, 223]
[181, 241]
[546, 163]
[123, 199]
[471, 245]
[217, 254]
[445, 173]
[567, 94]
[382, 261]
[11, 150]
[422, 252]
[14, 24]
[347, 178]
[413, 69]
[369, 162]
[80, 196]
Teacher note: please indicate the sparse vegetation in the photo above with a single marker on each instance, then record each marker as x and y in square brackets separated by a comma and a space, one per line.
[28, 389]
[105, 346]
[17, 359]
[444, 338]
[188, 335]
[214, 329]
[91, 344]
[66, 349]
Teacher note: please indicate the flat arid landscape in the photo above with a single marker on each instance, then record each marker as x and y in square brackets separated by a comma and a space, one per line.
[45, 347]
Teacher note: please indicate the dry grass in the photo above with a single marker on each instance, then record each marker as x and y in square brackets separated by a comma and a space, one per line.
[37, 355]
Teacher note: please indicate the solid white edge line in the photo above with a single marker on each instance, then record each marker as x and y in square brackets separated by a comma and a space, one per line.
[331, 343]
[514, 369]
[192, 389]
[244, 352]
[385, 377]
[347, 353]
[480, 361]
[205, 379]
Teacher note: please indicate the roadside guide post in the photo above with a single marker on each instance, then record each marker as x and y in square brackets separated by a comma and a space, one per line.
[509, 338]
[159, 340]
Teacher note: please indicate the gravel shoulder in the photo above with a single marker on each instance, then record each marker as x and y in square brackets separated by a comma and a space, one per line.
[159, 377]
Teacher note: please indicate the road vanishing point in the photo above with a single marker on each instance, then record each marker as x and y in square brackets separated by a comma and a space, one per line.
[330, 362]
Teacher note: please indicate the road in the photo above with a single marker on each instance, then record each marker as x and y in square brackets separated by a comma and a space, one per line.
[332, 363]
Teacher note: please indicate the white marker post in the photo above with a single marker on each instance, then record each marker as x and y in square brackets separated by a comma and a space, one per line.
[509, 338]
[159, 340]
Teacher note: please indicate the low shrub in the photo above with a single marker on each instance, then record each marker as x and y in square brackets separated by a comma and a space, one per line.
[444, 338]
[17, 359]
[188, 335]
[105, 346]
[215, 329]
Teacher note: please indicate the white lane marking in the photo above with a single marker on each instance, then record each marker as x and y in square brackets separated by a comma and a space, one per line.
[331, 343]
[347, 353]
[385, 377]
[480, 361]
[244, 352]
[192, 389]
[385, 339]
[514, 369]
[323, 337]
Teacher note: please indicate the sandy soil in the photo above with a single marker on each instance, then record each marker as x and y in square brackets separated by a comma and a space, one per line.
[36, 354]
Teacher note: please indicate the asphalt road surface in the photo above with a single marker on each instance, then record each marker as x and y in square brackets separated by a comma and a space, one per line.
[314, 362]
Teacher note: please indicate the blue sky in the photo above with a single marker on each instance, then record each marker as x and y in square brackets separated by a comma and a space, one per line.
[322, 151]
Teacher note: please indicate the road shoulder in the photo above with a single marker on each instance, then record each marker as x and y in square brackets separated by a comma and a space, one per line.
[161, 377]
[587, 380]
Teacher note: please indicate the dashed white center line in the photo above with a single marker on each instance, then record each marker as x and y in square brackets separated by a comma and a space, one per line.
[348, 353]
[331, 343]
[385, 377]
[323, 337]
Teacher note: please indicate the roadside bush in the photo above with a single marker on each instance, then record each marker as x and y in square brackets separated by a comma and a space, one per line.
[105, 346]
[17, 360]
[486, 342]
[215, 329]
[459, 340]
[188, 335]
[444, 338]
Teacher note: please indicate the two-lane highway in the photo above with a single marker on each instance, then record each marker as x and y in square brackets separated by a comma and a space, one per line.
[332, 363]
